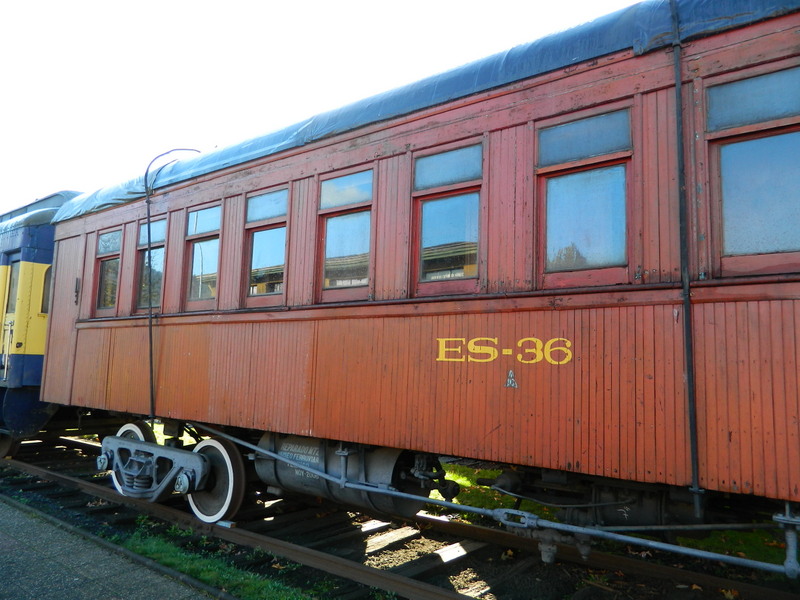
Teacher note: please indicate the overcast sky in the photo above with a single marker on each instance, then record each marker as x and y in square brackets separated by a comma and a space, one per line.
[93, 90]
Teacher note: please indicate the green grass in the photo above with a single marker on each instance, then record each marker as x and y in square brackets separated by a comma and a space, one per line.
[212, 571]
[484, 497]
[761, 545]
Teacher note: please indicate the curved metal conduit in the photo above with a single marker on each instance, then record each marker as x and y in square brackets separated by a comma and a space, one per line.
[522, 520]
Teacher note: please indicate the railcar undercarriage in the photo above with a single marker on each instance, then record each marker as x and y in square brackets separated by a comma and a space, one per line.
[213, 473]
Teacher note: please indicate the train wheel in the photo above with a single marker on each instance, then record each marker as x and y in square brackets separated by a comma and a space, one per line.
[138, 430]
[224, 492]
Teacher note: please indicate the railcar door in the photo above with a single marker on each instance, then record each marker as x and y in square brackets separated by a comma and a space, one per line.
[9, 314]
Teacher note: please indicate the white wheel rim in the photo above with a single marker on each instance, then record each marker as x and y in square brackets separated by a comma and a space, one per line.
[229, 493]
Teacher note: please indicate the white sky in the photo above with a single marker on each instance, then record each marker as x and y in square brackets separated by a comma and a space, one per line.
[92, 90]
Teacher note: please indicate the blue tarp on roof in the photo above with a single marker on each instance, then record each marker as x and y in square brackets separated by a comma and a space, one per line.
[642, 27]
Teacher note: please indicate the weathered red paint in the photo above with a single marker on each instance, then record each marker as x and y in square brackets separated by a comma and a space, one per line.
[368, 372]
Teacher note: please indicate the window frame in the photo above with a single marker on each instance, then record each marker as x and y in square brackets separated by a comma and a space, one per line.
[353, 293]
[456, 286]
[250, 229]
[104, 257]
[141, 249]
[741, 265]
[201, 304]
[594, 276]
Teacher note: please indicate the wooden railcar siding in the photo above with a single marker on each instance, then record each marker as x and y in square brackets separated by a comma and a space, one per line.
[369, 372]
[749, 397]
[61, 347]
[377, 380]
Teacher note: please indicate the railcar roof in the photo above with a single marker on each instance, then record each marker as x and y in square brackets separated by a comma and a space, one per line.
[643, 27]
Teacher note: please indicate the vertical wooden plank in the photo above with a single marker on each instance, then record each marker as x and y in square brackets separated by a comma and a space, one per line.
[767, 395]
[174, 282]
[781, 362]
[234, 254]
[301, 276]
[126, 297]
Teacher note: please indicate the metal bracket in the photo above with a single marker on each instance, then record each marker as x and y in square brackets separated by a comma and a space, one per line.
[151, 471]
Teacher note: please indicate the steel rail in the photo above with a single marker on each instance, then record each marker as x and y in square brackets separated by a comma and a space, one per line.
[353, 571]
[599, 560]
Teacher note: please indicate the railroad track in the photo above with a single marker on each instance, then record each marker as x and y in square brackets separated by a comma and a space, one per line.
[428, 558]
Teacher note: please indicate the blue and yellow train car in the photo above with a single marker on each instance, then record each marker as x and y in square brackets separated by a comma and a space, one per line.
[26, 255]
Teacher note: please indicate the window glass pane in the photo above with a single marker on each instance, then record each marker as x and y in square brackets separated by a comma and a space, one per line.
[347, 250]
[203, 221]
[464, 164]
[158, 232]
[449, 238]
[266, 265]
[107, 285]
[267, 206]
[48, 279]
[586, 220]
[753, 100]
[205, 258]
[350, 189]
[109, 242]
[13, 288]
[150, 287]
[594, 136]
[761, 195]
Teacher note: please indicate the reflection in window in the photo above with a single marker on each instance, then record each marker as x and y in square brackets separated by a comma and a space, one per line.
[48, 282]
[151, 273]
[347, 239]
[449, 242]
[204, 221]
[267, 206]
[348, 189]
[109, 242]
[13, 288]
[203, 278]
[446, 168]
[267, 262]
[151, 267]
[761, 195]
[108, 247]
[586, 220]
[592, 136]
[107, 283]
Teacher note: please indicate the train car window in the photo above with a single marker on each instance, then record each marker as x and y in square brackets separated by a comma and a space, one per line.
[13, 287]
[108, 248]
[449, 246]
[150, 264]
[447, 168]
[349, 189]
[346, 214]
[46, 285]
[347, 240]
[586, 220]
[267, 206]
[762, 98]
[447, 192]
[593, 136]
[266, 222]
[754, 141]
[203, 236]
[584, 180]
[761, 195]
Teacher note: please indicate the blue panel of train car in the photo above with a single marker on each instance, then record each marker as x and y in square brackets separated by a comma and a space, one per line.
[26, 254]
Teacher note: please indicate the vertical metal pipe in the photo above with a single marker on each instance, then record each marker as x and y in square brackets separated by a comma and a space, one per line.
[688, 339]
[148, 191]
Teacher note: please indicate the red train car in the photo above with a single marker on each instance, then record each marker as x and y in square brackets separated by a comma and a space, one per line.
[543, 260]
